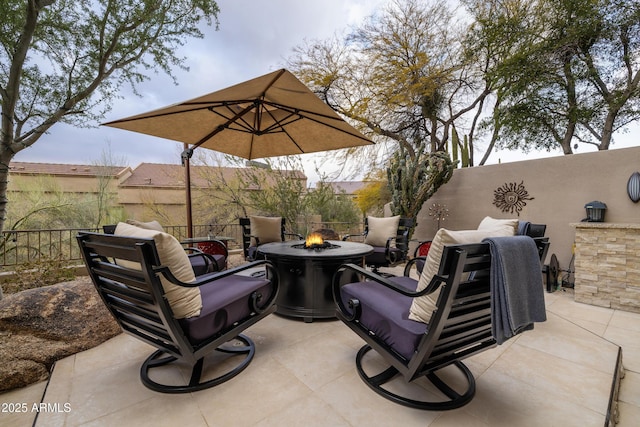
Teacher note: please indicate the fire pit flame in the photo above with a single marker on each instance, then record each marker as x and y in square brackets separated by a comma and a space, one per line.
[314, 240]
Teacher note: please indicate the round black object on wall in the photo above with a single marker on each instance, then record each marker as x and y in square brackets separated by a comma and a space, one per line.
[633, 187]
[595, 211]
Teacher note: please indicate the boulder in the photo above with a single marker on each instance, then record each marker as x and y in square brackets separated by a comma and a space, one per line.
[39, 326]
[328, 234]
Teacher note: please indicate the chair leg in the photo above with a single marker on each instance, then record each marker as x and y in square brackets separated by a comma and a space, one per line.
[454, 399]
[156, 359]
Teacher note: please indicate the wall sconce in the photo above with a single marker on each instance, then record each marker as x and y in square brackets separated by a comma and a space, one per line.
[633, 187]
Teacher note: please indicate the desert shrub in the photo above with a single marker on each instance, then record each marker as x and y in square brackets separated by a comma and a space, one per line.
[39, 273]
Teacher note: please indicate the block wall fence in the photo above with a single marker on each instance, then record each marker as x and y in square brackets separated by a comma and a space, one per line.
[558, 189]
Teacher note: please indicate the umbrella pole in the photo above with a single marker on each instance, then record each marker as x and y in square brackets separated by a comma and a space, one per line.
[186, 155]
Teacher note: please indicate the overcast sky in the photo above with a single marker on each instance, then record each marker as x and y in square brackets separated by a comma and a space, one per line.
[254, 37]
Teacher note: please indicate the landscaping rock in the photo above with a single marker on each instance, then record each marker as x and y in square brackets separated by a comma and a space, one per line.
[39, 326]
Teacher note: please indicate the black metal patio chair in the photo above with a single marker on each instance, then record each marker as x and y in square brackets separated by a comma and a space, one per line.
[390, 247]
[201, 262]
[461, 325]
[258, 230]
[136, 279]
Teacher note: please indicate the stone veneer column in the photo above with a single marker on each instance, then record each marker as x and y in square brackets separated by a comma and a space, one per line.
[607, 265]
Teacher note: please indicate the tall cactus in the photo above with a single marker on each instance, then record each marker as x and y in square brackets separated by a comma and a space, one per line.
[455, 142]
[412, 181]
[459, 154]
[465, 152]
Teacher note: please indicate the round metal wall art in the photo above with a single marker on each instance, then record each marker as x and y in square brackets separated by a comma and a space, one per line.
[633, 187]
[511, 197]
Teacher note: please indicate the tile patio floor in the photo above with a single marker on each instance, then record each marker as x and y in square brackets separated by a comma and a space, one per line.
[304, 374]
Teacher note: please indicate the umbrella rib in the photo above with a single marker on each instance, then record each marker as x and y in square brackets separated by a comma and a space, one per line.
[221, 127]
[240, 121]
[306, 114]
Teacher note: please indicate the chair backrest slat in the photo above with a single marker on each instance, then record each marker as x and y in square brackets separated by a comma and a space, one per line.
[462, 324]
[134, 296]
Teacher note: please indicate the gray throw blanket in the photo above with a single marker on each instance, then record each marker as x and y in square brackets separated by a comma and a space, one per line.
[517, 298]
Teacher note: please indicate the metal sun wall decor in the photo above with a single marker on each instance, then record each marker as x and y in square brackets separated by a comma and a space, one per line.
[511, 197]
[633, 187]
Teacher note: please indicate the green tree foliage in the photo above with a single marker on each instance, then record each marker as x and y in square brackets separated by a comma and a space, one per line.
[42, 204]
[65, 60]
[570, 70]
[402, 77]
[330, 205]
[275, 187]
[372, 197]
[277, 191]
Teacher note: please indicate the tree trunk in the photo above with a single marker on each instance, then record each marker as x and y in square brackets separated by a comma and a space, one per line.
[568, 136]
[607, 130]
[5, 159]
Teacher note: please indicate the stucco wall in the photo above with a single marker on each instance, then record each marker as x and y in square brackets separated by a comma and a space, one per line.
[560, 187]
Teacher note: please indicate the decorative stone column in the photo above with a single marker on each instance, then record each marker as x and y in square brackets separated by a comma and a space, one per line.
[607, 265]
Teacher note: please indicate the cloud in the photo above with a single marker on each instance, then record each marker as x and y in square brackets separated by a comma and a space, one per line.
[254, 38]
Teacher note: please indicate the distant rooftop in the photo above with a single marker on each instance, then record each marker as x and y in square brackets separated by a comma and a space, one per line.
[63, 169]
[145, 174]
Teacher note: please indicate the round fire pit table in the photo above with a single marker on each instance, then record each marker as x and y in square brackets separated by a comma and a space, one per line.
[306, 275]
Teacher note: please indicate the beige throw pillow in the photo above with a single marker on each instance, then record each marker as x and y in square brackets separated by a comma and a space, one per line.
[489, 223]
[422, 307]
[185, 302]
[151, 225]
[266, 228]
[381, 229]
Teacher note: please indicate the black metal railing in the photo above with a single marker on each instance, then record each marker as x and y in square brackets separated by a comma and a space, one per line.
[19, 247]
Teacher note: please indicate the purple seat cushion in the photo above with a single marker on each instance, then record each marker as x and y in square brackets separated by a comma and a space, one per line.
[202, 266]
[221, 261]
[199, 265]
[224, 302]
[386, 313]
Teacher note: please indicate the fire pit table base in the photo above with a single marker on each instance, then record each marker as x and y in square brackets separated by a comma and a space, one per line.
[306, 275]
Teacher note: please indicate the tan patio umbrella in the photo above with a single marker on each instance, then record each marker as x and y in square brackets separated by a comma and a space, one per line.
[272, 115]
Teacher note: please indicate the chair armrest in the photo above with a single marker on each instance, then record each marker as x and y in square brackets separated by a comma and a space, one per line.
[348, 236]
[193, 250]
[298, 236]
[221, 246]
[411, 262]
[373, 277]
[435, 282]
[388, 244]
[212, 277]
[208, 259]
